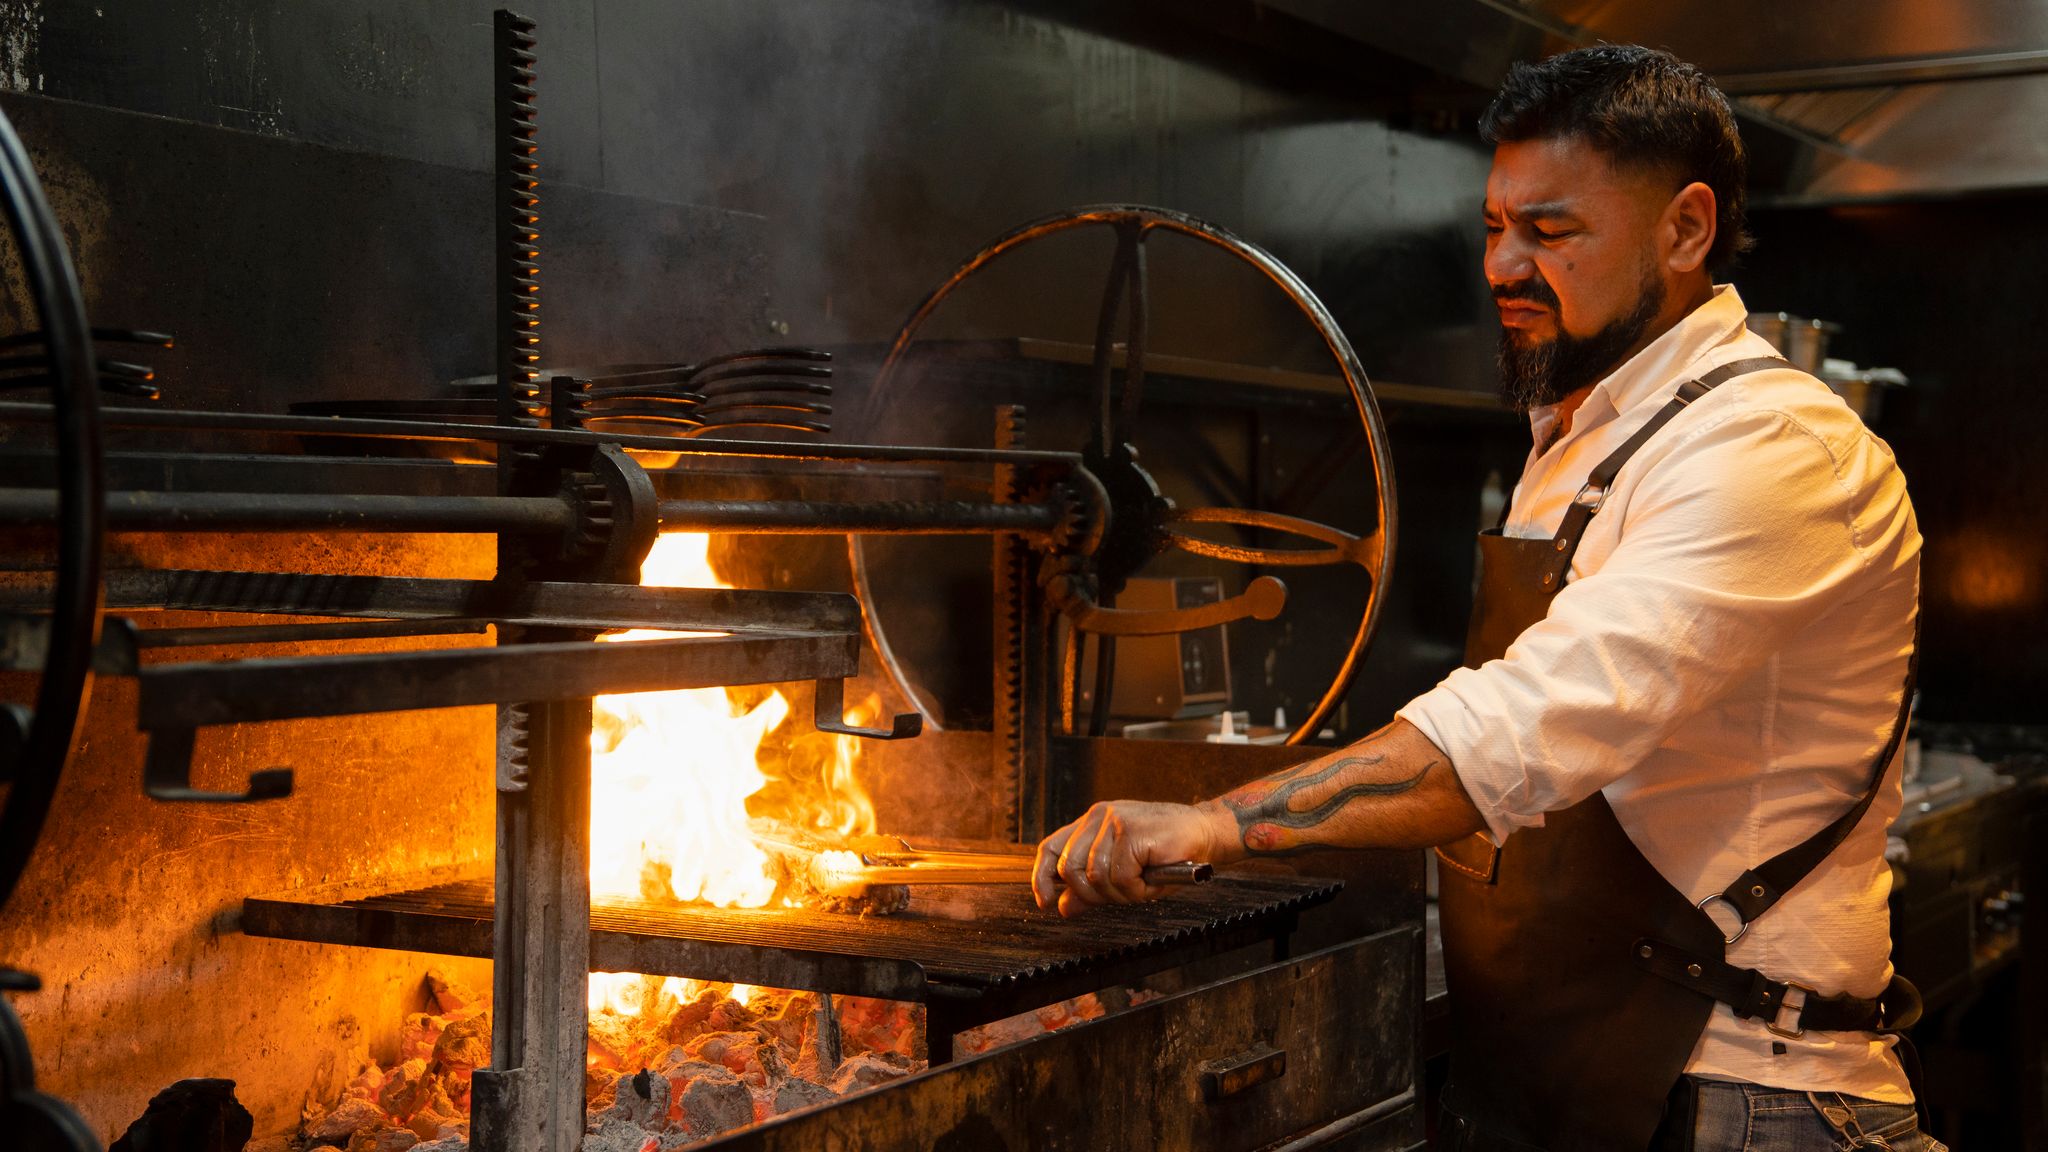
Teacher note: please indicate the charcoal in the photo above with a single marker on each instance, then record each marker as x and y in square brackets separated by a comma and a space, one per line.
[715, 1103]
[731, 1016]
[404, 1092]
[432, 1108]
[368, 1080]
[332, 1076]
[690, 1020]
[793, 1094]
[818, 1057]
[678, 1064]
[865, 1071]
[350, 1117]
[735, 1050]
[612, 1038]
[444, 1144]
[383, 1138]
[449, 996]
[464, 1044]
[792, 1021]
[200, 1115]
[418, 1035]
[617, 1136]
[640, 1099]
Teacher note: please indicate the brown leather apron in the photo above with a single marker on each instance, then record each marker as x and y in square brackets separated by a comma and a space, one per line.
[1566, 952]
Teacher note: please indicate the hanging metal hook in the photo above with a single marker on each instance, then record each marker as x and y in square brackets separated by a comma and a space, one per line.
[829, 714]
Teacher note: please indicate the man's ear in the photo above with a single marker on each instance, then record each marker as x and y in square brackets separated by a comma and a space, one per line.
[1688, 227]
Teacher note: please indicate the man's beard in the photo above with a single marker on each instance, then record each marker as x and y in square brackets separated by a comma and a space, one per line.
[1535, 374]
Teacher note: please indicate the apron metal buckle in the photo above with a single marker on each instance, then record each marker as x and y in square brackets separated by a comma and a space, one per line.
[1598, 497]
[1797, 1011]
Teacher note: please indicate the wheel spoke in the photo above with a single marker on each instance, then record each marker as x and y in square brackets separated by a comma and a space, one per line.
[1105, 342]
[1135, 334]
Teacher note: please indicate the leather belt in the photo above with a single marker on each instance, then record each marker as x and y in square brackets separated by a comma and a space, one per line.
[1752, 995]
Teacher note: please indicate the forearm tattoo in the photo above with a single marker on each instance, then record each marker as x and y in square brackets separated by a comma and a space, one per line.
[1268, 822]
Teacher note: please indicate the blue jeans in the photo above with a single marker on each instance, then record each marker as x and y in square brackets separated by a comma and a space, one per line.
[1749, 1118]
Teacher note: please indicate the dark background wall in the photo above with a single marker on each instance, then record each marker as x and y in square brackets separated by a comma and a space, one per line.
[871, 145]
[1951, 294]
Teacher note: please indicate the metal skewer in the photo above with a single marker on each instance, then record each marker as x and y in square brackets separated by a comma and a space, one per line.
[846, 874]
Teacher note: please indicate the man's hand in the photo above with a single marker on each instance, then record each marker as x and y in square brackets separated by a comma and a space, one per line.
[1100, 858]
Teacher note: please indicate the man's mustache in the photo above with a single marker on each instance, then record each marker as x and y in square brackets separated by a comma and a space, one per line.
[1530, 291]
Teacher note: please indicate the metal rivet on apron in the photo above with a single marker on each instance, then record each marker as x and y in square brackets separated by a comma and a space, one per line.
[1644, 951]
[1561, 544]
[1757, 891]
[1692, 970]
[1548, 577]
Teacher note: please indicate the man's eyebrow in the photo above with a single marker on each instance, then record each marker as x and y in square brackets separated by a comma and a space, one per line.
[1546, 210]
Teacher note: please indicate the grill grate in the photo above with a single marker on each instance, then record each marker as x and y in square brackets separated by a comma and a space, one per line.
[983, 951]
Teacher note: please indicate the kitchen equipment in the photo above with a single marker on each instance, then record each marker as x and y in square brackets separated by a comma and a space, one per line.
[1802, 341]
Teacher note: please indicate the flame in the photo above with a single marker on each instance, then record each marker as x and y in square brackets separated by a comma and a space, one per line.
[675, 777]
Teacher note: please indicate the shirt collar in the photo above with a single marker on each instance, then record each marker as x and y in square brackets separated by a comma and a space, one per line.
[1658, 368]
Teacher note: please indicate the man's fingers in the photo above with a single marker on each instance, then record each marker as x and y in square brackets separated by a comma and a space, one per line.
[1045, 882]
[1074, 861]
[1103, 858]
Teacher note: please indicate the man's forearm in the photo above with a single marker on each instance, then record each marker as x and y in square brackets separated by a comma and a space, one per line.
[1393, 789]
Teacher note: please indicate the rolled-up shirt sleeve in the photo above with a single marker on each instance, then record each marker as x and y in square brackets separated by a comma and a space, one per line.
[1733, 537]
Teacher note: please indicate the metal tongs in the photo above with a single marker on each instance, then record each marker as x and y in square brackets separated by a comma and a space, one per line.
[872, 861]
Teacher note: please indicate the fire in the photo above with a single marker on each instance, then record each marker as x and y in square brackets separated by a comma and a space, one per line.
[675, 777]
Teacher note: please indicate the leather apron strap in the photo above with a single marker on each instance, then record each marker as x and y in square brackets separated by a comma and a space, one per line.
[1593, 493]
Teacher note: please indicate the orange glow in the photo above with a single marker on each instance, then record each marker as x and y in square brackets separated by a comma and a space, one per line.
[1989, 572]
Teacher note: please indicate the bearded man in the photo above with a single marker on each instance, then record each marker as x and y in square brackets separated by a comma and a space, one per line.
[1660, 786]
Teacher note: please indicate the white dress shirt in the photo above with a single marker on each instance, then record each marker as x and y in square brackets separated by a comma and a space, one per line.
[1724, 664]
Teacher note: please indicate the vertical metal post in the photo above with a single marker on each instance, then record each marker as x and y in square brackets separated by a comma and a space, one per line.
[531, 1098]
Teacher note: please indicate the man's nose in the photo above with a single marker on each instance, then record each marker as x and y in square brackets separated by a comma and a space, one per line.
[1507, 260]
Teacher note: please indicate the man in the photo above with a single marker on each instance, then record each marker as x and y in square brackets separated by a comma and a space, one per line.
[1676, 732]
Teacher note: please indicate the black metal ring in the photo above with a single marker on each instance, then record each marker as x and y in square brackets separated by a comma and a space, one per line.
[81, 500]
[1334, 341]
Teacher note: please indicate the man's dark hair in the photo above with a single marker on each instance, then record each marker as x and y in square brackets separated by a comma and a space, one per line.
[1640, 107]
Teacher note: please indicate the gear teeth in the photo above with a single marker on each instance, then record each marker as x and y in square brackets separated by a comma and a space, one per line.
[1013, 582]
[515, 733]
[518, 212]
[593, 504]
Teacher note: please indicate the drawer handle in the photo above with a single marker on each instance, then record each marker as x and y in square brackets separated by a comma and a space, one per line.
[1222, 1079]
